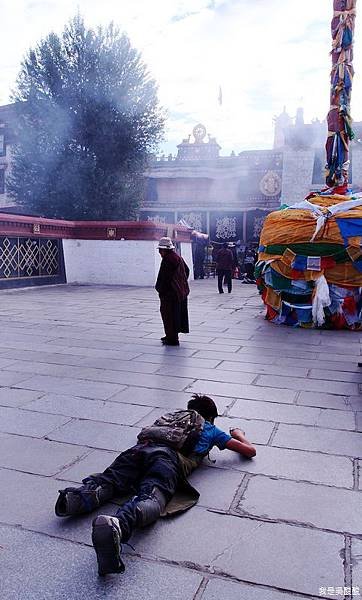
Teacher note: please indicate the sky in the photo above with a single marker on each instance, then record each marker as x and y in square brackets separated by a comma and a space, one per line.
[264, 54]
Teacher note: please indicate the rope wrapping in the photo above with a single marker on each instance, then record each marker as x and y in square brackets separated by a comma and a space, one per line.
[339, 119]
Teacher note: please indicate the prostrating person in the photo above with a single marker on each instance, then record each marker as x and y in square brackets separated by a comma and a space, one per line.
[154, 473]
[173, 289]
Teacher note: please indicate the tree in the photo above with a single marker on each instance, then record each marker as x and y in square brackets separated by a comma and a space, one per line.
[88, 118]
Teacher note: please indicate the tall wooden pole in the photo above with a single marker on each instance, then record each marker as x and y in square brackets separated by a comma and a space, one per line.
[339, 118]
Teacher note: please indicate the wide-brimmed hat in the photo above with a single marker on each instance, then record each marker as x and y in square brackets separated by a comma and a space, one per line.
[165, 243]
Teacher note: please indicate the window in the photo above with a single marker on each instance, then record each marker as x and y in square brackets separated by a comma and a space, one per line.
[2, 181]
[2, 144]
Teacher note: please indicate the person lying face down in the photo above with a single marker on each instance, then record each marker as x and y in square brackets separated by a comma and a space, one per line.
[151, 472]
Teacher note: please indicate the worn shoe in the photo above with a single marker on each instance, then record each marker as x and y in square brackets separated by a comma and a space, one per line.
[81, 500]
[106, 538]
[72, 502]
[167, 342]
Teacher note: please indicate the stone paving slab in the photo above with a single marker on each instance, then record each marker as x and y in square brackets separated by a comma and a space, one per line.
[355, 402]
[162, 398]
[281, 351]
[290, 464]
[43, 357]
[8, 379]
[5, 362]
[344, 349]
[219, 588]
[182, 361]
[330, 364]
[34, 508]
[315, 385]
[96, 461]
[67, 385]
[312, 505]
[242, 391]
[323, 400]
[126, 346]
[282, 556]
[258, 432]
[37, 456]
[16, 397]
[96, 352]
[284, 413]
[209, 374]
[107, 375]
[319, 440]
[335, 375]
[216, 493]
[359, 421]
[118, 365]
[249, 367]
[96, 435]
[15, 420]
[236, 357]
[94, 410]
[73, 573]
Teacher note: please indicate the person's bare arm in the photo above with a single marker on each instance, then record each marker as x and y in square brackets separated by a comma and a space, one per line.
[240, 444]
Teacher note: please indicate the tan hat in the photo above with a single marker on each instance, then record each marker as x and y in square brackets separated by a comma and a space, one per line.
[165, 243]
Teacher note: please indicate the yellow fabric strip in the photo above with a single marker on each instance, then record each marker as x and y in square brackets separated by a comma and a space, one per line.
[272, 298]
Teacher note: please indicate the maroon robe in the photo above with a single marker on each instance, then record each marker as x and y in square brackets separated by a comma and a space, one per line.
[173, 289]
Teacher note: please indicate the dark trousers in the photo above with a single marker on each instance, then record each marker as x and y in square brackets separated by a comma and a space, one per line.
[174, 316]
[224, 275]
[199, 272]
[249, 268]
[139, 470]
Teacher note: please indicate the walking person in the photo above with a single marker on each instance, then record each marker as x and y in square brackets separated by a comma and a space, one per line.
[173, 289]
[224, 268]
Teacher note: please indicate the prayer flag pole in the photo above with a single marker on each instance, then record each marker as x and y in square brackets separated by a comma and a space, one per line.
[339, 119]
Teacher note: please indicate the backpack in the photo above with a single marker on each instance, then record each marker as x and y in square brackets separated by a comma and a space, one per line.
[179, 430]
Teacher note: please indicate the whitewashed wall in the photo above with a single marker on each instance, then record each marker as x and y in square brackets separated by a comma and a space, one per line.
[115, 262]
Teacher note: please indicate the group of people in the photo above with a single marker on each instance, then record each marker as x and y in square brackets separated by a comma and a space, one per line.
[172, 281]
[207, 256]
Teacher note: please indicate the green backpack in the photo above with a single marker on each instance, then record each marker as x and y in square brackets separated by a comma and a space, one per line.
[180, 430]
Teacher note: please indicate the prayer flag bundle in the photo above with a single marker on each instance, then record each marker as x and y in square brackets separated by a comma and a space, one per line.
[309, 269]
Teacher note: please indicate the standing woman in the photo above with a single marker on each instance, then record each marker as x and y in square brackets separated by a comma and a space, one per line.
[173, 289]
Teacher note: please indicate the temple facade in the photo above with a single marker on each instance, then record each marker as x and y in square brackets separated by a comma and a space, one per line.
[227, 197]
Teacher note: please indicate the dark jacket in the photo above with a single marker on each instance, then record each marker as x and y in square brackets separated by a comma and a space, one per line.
[225, 260]
[172, 277]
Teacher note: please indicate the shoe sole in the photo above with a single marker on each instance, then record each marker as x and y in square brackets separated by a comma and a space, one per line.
[107, 544]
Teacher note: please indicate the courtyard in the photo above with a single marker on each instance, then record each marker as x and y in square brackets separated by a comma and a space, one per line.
[82, 369]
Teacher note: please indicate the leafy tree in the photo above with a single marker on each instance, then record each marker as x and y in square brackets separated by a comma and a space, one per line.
[88, 118]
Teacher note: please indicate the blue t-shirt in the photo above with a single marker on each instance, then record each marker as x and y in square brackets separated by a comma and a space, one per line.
[211, 436]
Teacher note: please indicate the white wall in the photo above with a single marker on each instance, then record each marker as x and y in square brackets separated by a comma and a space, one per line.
[186, 253]
[117, 262]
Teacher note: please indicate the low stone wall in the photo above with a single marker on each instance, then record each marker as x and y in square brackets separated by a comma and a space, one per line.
[126, 262]
[110, 253]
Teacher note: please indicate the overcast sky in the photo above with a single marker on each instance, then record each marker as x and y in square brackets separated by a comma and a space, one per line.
[263, 53]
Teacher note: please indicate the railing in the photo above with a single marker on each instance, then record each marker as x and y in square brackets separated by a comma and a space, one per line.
[39, 261]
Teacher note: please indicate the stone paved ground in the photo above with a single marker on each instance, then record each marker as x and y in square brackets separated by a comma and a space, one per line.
[82, 368]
